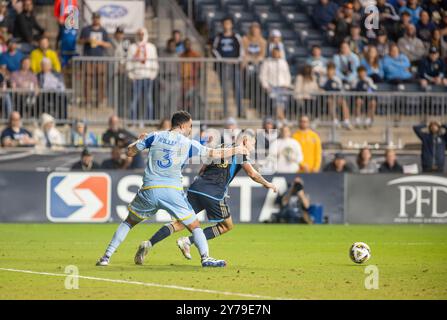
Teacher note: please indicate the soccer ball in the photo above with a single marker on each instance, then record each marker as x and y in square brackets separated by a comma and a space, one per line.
[360, 252]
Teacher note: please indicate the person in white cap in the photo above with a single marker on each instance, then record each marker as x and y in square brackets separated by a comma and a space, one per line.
[275, 41]
[47, 135]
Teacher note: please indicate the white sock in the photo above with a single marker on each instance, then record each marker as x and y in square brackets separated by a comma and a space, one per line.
[118, 237]
[200, 242]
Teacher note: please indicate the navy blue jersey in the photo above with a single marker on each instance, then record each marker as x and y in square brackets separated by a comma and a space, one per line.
[214, 180]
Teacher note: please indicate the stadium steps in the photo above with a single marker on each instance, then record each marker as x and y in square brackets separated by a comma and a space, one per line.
[45, 17]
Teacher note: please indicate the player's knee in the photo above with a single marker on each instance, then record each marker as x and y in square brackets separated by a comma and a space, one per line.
[193, 225]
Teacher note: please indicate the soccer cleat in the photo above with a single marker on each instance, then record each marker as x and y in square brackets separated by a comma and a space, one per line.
[213, 263]
[142, 251]
[103, 262]
[185, 247]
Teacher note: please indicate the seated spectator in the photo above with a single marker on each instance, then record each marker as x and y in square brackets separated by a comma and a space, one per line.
[432, 69]
[364, 84]
[355, 40]
[434, 9]
[254, 46]
[275, 42]
[49, 79]
[434, 143]
[176, 36]
[117, 160]
[413, 8]
[266, 137]
[435, 40]
[15, 135]
[338, 165]
[390, 165]
[116, 135]
[275, 78]
[324, 13]
[80, 136]
[425, 28]
[26, 27]
[24, 78]
[86, 163]
[310, 144]
[230, 132]
[11, 58]
[396, 66]
[334, 84]
[365, 163]
[43, 51]
[317, 62]
[388, 16]
[305, 84]
[346, 63]
[411, 46]
[405, 21]
[343, 21]
[372, 63]
[47, 136]
[382, 44]
[286, 152]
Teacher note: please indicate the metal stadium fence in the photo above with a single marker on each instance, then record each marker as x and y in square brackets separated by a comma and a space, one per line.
[32, 103]
[210, 90]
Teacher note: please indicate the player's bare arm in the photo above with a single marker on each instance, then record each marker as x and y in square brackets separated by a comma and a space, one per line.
[228, 152]
[257, 177]
[132, 149]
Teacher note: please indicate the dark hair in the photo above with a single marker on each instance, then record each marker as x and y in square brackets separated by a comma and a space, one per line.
[227, 18]
[331, 65]
[360, 69]
[316, 46]
[179, 118]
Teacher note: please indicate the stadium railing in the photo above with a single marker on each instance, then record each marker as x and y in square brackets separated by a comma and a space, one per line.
[32, 103]
[212, 89]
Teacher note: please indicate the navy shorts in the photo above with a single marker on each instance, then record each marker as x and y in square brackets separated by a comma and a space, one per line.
[216, 210]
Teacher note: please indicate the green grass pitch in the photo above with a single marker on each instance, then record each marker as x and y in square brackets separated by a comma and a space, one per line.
[278, 261]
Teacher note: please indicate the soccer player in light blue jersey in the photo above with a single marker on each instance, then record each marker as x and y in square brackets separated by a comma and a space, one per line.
[162, 183]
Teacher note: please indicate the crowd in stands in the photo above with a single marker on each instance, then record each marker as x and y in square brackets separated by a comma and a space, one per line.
[409, 46]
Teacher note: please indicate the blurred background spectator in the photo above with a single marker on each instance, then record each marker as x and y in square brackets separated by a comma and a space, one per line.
[14, 135]
[47, 136]
[86, 163]
[338, 165]
[286, 152]
[434, 143]
[365, 163]
[80, 136]
[310, 144]
[390, 165]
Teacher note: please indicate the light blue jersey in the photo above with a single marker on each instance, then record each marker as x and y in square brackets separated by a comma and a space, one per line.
[162, 181]
[168, 152]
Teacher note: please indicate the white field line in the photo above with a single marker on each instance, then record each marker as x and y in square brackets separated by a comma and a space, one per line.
[149, 284]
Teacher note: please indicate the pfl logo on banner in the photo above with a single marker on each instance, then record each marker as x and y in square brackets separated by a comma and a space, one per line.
[421, 198]
[78, 197]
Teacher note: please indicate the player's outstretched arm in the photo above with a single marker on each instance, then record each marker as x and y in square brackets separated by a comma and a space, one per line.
[227, 152]
[257, 177]
[132, 149]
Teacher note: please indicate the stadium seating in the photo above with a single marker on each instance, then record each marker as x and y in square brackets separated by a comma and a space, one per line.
[291, 17]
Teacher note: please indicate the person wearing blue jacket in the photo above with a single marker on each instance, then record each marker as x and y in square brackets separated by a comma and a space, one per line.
[433, 146]
[346, 64]
[396, 66]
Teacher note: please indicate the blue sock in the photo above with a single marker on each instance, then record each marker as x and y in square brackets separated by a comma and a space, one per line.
[161, 234]
[118, 237]
[200, 242]
[210, 233]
